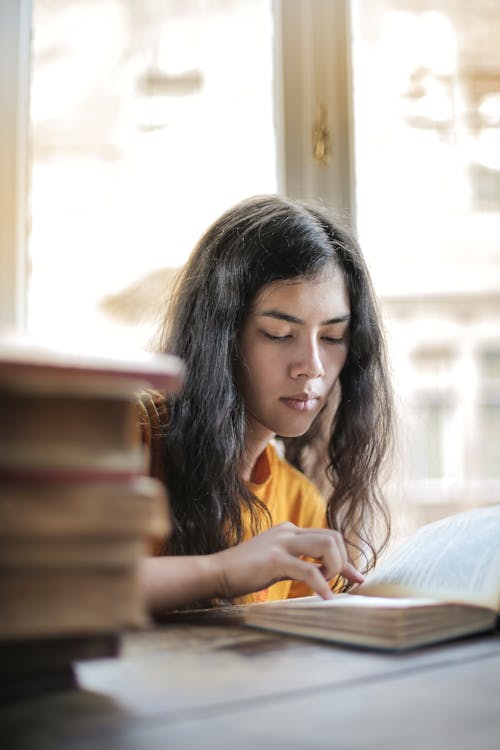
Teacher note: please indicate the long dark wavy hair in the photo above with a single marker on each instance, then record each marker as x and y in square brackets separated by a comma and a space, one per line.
[259, 241]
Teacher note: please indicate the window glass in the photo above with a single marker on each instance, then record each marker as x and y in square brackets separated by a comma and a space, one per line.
[427, 142]
[434, 363]
[489, 363]
[148, 120]
[426, 441]
[426, 106]
[489, 438]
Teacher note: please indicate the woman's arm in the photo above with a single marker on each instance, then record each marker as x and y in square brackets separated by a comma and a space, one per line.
[274, 555]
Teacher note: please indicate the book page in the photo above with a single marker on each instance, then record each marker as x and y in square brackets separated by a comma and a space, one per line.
[456, 558]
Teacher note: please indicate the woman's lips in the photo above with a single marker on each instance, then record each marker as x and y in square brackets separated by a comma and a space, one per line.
[302, 402]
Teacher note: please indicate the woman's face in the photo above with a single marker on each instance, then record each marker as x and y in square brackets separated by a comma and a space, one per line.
[293, 346]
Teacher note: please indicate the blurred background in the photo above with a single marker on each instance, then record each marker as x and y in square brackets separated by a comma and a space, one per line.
[129, 125]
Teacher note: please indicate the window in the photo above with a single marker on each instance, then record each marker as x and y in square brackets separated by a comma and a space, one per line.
[426, 81]
[489, 439]
[148, 120]
[489, 412]
[426, 113]
[489, 365]
[426, 449]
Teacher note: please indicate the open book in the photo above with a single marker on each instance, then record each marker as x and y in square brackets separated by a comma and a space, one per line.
[442, 583]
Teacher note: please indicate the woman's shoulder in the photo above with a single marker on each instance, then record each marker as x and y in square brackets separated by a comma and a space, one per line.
[152, 408]
[152, 416]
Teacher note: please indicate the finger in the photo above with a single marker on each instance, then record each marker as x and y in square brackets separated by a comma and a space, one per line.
[325, 547]
[350, 572]
[330, 549]
[316, 530]
[333, 533]
[310, 574]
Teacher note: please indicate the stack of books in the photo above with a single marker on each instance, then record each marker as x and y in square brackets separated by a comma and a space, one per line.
[77, 511]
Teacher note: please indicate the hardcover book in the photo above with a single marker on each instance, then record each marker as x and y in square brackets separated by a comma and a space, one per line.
[443, 582]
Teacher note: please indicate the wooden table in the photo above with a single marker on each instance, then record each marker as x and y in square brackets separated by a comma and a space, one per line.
[219, 685]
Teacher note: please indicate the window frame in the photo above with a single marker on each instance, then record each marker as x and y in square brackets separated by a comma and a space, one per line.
[314, 69]
[15, 56]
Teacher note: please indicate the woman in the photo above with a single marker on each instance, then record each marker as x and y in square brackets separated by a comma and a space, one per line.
[275, 319]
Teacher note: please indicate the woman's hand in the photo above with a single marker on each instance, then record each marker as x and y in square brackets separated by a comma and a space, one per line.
[276, 555]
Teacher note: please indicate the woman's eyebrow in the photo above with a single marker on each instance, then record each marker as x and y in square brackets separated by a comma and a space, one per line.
[292, 319]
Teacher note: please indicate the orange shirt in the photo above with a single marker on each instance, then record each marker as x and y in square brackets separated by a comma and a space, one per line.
[289, 496]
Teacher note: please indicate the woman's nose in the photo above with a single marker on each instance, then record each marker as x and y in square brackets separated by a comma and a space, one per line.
[307, 362]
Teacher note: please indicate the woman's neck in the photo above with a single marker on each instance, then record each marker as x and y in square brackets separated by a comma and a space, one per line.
[255, 445]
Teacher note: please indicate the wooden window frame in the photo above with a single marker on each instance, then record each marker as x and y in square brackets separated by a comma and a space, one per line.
[15, 41]
[314, 72]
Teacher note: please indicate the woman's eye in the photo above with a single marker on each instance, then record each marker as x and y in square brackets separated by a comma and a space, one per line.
[272, 337]
[333, 340]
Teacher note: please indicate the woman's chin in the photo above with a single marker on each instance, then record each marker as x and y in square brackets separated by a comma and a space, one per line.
[295, 432]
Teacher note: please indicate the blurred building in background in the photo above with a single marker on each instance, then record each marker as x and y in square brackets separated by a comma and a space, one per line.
[426, 77]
